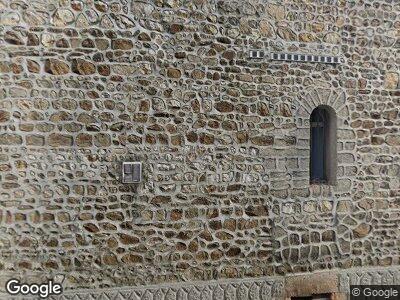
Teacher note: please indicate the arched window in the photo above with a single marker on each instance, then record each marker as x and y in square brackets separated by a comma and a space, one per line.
[323, 155]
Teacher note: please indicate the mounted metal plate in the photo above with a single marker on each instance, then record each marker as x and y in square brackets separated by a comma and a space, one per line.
[256, 53]
[131, 172]
[306, 58]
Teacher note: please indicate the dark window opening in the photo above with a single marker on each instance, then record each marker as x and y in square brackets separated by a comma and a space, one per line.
[323, 146]
[318, 146]
[314, 297]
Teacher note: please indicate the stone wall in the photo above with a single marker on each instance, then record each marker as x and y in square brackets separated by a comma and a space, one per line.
[337, 283]
[224, 139]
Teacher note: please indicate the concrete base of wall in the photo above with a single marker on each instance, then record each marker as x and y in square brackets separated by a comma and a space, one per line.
[335, 282]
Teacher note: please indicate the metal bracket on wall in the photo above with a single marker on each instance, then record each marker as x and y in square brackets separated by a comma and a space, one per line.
[256, 53]
[306, 58]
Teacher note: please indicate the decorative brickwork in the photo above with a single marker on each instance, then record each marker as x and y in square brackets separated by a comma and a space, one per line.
[270, 288]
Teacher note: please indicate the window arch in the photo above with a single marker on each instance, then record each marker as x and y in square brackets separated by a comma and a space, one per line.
[323, 154]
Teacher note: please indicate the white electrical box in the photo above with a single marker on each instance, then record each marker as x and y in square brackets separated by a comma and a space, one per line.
[131, 172]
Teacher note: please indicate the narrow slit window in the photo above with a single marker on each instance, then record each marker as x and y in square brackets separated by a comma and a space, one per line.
[323, 146]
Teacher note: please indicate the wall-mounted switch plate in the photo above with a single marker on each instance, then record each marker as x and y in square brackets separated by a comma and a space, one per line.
[131, 172]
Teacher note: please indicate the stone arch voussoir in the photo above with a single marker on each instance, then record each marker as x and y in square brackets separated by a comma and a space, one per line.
[310, 99]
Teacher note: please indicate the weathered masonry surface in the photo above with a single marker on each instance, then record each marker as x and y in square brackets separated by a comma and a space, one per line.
[224, 140]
